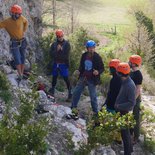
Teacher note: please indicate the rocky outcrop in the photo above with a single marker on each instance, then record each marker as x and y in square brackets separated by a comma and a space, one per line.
[32, 10]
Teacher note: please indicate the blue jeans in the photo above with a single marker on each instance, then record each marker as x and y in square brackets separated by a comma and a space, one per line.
[78, 91]
[18, 51]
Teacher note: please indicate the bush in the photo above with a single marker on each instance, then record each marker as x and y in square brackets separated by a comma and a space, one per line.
[148, 120]
[45, 43]
[5, 93]
[23, 133]
[144, 20]
[110, 125]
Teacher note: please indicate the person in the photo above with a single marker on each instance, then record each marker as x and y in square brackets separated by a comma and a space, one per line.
[16, 27]
[136, 75]
[125, 102]
[60, 51]
[91, 66]
[114, 87]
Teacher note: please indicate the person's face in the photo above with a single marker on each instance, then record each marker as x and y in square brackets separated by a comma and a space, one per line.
[15, 16]
[91, 49]
[60, 38]
[132, 66]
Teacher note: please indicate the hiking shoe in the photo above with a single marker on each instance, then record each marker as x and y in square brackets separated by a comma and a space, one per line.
[18, 79]
[69, 99]
[72, 116]
[51, 91]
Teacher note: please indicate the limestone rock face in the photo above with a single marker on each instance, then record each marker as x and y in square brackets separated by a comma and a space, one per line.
[32, 10]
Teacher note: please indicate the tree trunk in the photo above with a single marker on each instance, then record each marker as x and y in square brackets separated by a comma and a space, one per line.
[54, 12]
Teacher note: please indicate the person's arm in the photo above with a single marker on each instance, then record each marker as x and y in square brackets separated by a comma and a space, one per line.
[51, 51]
[101, 65]
[67, 51]
[129, 104]
[25, 25]
[2, 24]
[138, 90]
[81, 63]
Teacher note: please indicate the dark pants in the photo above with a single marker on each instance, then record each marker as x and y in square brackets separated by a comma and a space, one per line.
[66, 79]
[136, 113]
[126, 137]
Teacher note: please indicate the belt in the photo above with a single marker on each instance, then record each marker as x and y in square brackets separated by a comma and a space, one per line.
[17, 40]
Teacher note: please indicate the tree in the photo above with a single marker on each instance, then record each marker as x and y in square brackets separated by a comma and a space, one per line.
[54, 12]
[139, 42]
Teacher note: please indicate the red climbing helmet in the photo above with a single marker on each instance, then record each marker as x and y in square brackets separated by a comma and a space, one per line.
[123, 68]
[135, 59]
[114, 63]
[16, 9]
[59, 33]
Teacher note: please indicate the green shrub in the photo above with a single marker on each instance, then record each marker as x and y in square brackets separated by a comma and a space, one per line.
[45, 43]
[5, 93]
[147, 122]
[146, 21]
[23, 133]
[110, 125]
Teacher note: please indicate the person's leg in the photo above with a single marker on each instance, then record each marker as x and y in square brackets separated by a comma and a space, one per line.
[17, 58]
[77, 93]
[22, 53]
[93, 96]
[54, 78]
[125, 134]
[54, 82]
[66, 79]
[136, 113]
[64, 72]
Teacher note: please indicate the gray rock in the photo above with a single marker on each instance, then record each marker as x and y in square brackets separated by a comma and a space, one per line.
[103, 150]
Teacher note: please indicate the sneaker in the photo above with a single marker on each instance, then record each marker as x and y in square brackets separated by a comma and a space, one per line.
[51, 91]
[72, 116]
[18, 79]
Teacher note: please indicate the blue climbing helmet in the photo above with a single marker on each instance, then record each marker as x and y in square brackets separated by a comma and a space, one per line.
[90, 43]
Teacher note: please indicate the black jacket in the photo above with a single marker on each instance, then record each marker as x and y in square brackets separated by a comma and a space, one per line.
[97, 65]
[114, 88]
[63, 56]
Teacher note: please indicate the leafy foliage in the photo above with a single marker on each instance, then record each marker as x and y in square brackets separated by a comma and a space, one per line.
[45, 43]
[145, 38]
[144, 20]
[20, 132]
[148, 120]
[110, 125]
[5, 94]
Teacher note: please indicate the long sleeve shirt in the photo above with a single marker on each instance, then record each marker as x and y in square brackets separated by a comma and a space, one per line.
[15, 28]
[126, 98]
[114, 88]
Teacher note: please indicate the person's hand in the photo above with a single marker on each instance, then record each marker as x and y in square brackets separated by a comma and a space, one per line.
[116, 106]
[59, 47]
[95, 72]
[76, 72]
